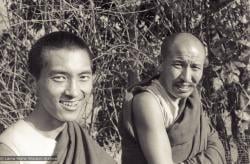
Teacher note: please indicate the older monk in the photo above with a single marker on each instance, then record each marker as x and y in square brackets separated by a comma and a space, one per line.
[162, 120]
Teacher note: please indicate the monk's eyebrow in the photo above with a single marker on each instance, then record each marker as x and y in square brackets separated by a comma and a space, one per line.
[86, 72]
[54, 72]
[57, 72]
[179, 60]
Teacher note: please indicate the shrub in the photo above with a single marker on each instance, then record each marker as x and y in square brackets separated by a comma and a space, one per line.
[125, 37]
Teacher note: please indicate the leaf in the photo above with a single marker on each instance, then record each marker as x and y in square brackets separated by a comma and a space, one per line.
[244, 56]
[234, 78]
[242, 115]
[245, 42]
[216, 51]
[239, 64]
[243, 19]
[233, 68]
[243, 126]
[216, 68]
[217, 83]
[248, 67]
[40, 33]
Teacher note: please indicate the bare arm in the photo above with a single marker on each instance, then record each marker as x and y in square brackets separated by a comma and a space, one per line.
[150, 129]
[6, 151]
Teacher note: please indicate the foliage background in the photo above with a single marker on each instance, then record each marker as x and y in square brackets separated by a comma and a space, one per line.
[125, 37]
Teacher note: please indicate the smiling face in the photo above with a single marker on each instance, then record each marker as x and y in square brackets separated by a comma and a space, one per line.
[65, 83]
[182, 69]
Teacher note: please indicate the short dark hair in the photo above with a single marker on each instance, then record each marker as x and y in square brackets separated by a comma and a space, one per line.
[54, 40]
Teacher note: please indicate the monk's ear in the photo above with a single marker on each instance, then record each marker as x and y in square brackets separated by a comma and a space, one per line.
[37, 86]
[206, 62]
[94, 77]
[160, 68]
[32, 82]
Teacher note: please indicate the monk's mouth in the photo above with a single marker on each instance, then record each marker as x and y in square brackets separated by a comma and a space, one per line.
[184, 87]
[69, 105]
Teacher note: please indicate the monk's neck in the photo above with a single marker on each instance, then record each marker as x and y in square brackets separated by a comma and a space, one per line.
[173, 99]
[44, 123]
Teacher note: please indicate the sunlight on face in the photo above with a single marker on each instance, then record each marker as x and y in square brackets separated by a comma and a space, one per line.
[183, 68]
[65, 83]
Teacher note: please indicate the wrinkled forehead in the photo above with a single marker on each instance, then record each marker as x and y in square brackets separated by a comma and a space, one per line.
[186, 43]
[188, 47]
[187, 40]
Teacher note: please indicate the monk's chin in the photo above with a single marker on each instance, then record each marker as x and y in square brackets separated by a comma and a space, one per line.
[184, 93]
[69, 117]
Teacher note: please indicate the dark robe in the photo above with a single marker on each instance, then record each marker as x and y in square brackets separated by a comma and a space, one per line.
[192, 138]
[75, 146]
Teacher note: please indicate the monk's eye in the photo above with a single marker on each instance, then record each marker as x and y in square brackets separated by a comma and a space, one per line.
[177, 65]
[196, 67]
[85, 77]
[59, 78]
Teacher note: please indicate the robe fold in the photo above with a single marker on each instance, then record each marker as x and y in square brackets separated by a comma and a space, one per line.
[72, 146]
[75, 146]
[192, 138]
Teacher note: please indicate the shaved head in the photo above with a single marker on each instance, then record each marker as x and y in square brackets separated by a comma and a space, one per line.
[183, 58]
[177, 40]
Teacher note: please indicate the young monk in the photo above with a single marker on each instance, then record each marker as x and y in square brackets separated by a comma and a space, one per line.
[61, 65]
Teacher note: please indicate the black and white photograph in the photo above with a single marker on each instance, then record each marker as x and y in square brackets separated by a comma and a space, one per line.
[124, 82]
